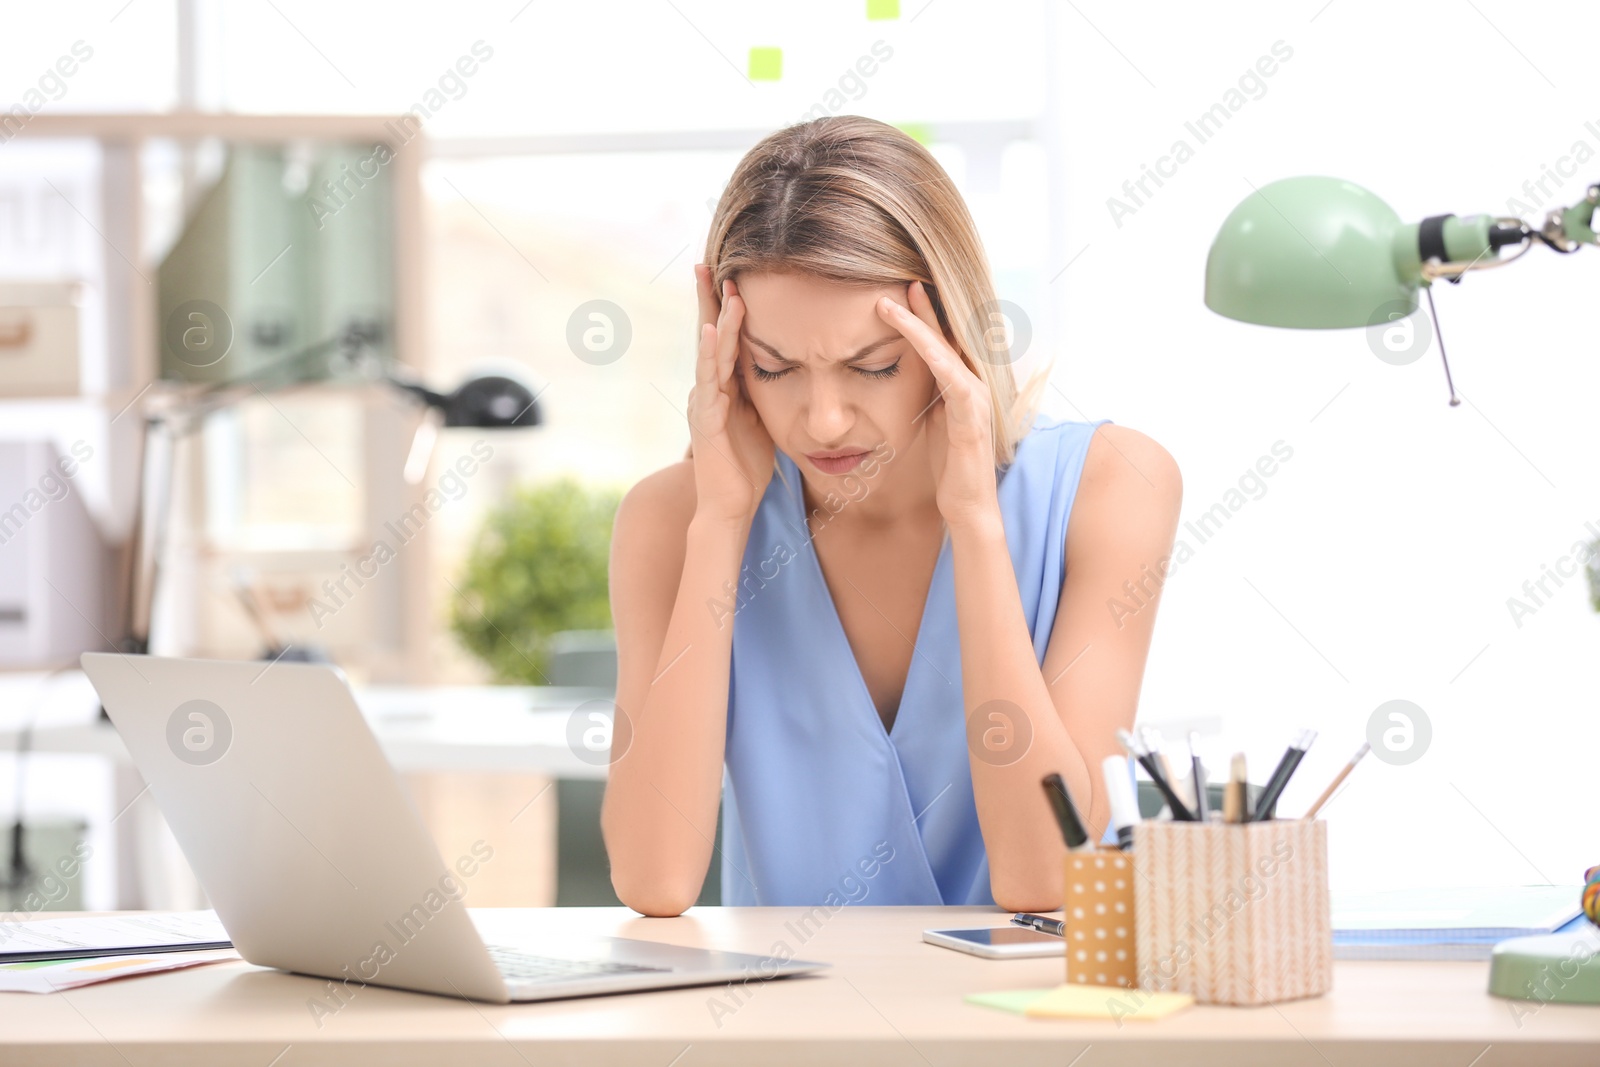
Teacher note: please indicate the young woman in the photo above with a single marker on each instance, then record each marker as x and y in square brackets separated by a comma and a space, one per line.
[873, 658]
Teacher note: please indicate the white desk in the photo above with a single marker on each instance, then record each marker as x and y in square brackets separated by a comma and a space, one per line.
[464, 729]
[446, 728]
[887, 1000]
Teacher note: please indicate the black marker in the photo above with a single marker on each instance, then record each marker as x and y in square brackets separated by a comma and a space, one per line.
[1180, 813]
[1072, 831]
[1280, 777]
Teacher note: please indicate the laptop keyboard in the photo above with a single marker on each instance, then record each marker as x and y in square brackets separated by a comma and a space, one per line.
[525, 967]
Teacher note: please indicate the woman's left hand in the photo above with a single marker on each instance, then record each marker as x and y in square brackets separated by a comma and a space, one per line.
[959, 418]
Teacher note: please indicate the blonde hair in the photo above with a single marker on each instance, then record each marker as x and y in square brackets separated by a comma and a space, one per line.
[855, 200]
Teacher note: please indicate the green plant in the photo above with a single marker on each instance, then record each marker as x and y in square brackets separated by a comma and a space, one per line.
[539, 567]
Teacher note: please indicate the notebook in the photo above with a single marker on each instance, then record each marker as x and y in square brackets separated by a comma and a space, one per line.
[1462, 923]
[111, 935]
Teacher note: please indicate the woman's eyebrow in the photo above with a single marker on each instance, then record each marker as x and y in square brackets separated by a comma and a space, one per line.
[856, 358]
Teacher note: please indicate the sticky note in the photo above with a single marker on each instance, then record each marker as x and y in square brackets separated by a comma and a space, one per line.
[882, 9]
[766, 64]
[917, 131]
[1073, 1000]
[1012, 1000]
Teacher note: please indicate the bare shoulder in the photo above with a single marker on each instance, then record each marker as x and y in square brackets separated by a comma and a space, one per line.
[654, 515]
[1130, 488]
[1121, 454]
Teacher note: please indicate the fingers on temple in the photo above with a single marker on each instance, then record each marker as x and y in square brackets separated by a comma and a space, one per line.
[926, 339]
[705, 293]
[705, 367]
[728, 324]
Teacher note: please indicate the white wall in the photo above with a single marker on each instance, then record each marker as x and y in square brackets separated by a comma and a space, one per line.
[1378, 562]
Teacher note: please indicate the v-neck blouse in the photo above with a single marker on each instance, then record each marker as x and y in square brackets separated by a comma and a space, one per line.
[821, 804]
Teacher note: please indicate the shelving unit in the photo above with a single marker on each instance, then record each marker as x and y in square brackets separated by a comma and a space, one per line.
[126, 366]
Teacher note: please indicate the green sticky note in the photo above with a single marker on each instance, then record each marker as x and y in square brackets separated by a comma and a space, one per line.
[917, 131]
[882, 9]
[766, 64]
[1012, 1000]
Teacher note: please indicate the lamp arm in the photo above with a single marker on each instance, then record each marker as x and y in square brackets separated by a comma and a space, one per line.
[163, 428]
[1445, 246]
[161, 432]
[1565, 229]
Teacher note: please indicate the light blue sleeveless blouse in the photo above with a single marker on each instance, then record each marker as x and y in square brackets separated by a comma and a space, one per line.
[820, 804]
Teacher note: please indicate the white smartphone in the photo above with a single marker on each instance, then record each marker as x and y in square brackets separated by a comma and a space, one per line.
[998, 942]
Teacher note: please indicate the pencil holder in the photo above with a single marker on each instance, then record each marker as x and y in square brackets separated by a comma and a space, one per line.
[1097, 914]
[1234, 913]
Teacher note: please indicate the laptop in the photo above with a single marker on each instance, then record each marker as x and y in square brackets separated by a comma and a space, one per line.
[314, 855]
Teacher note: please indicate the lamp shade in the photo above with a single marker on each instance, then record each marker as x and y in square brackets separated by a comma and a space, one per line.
[492, 402]
[1311, 253]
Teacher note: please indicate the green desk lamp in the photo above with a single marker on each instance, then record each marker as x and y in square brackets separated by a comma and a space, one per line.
[1323, 253]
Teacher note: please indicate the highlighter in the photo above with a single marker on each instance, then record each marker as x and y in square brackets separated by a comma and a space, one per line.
[1124, 805]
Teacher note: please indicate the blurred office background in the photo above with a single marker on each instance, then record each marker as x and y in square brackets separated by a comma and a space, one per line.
[556, 156]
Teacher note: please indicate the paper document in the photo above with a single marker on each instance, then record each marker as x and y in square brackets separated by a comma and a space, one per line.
[111, 935]
[47, 976]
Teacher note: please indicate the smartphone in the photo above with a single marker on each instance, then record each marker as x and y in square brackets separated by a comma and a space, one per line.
[998, 942]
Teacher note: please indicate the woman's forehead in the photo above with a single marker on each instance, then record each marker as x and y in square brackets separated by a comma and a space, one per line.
[815, 312]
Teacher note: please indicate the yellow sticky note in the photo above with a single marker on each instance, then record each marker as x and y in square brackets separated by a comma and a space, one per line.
[1074, 1000]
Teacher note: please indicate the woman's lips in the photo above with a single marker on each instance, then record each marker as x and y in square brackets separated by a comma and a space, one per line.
[837, 465]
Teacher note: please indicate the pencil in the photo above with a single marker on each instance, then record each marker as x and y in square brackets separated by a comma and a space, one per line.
[1233, 794]
[1366, 746]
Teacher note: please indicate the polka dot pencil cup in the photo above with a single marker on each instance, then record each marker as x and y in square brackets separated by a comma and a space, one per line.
[1097, 918]
[1234, 913]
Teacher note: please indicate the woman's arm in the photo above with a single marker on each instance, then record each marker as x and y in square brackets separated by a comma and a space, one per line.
[1123, 522]
[673, 650]
[677, 548]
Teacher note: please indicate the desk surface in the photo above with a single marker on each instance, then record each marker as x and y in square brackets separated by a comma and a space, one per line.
[888, 999]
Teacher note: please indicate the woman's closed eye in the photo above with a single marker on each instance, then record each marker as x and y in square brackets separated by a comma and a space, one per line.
[768, 376]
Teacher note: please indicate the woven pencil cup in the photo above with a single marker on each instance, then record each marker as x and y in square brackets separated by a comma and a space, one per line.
[1233, 913]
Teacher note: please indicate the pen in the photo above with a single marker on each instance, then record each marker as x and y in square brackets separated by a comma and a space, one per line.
[1202, 810]
[1129, 745]
[1072, 831]
[1124, 806]
[1234, 795]
[1152, 738]
[1280, 777]
[1366, 746]
[1179, 812]
[1040, 923]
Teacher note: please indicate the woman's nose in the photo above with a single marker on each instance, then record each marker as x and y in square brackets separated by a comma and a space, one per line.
[827, 413]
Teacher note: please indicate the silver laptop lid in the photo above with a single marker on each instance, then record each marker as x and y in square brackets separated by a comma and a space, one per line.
[310, 849]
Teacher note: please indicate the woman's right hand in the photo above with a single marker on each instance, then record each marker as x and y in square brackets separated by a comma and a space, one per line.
[733, 453]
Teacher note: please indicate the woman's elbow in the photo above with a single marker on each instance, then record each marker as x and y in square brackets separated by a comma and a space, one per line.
[654, 898]
[651, 878]
[1025, 898]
